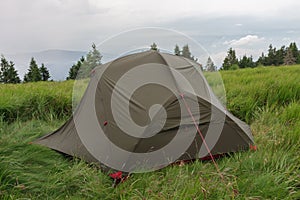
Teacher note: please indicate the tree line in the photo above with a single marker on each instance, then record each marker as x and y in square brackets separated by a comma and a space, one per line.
[8, 73]
[289, 55]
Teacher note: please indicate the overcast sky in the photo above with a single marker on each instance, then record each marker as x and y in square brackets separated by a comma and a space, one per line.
[248, 26]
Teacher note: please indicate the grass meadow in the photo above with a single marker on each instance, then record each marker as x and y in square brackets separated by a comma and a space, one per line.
[267, 98]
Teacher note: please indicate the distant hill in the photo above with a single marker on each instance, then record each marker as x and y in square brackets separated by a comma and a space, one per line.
[57, 61]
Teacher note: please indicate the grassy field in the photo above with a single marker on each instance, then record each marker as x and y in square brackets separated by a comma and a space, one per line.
[267, 98]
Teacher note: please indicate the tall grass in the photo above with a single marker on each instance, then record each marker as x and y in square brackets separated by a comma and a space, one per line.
[268, 98]
[42, 100]
[249, 90]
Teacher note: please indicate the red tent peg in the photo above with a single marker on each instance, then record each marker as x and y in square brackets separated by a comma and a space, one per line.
[253, 147]
[116, 175]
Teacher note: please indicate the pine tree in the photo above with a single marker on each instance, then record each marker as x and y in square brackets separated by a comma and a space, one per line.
[73, 72]
[279, 56]
[261, 60]
[33, 74]
[187, 53]
[154, 47]
[4, 70]
[210, 66]
[93, 59]
[246, 62]
[177, 50]
[13, 76]
[8, 74]
[45, 75]
[295, 51]
[251, 62]
[243, 62]
[271, 57]
[230, 60]
[289, 58]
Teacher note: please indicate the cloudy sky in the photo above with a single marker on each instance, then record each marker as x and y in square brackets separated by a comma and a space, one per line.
[248, 26]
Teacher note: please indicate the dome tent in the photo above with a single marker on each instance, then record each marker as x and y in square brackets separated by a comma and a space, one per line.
[144, 111]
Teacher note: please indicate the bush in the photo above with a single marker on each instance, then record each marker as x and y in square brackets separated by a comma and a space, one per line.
[234, 67]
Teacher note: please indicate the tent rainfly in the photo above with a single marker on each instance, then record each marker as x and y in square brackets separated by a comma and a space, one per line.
[144, 111]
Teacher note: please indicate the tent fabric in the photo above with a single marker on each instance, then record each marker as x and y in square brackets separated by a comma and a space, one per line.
[108, 95]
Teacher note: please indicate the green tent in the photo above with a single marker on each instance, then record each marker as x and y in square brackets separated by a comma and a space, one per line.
[144, 111]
